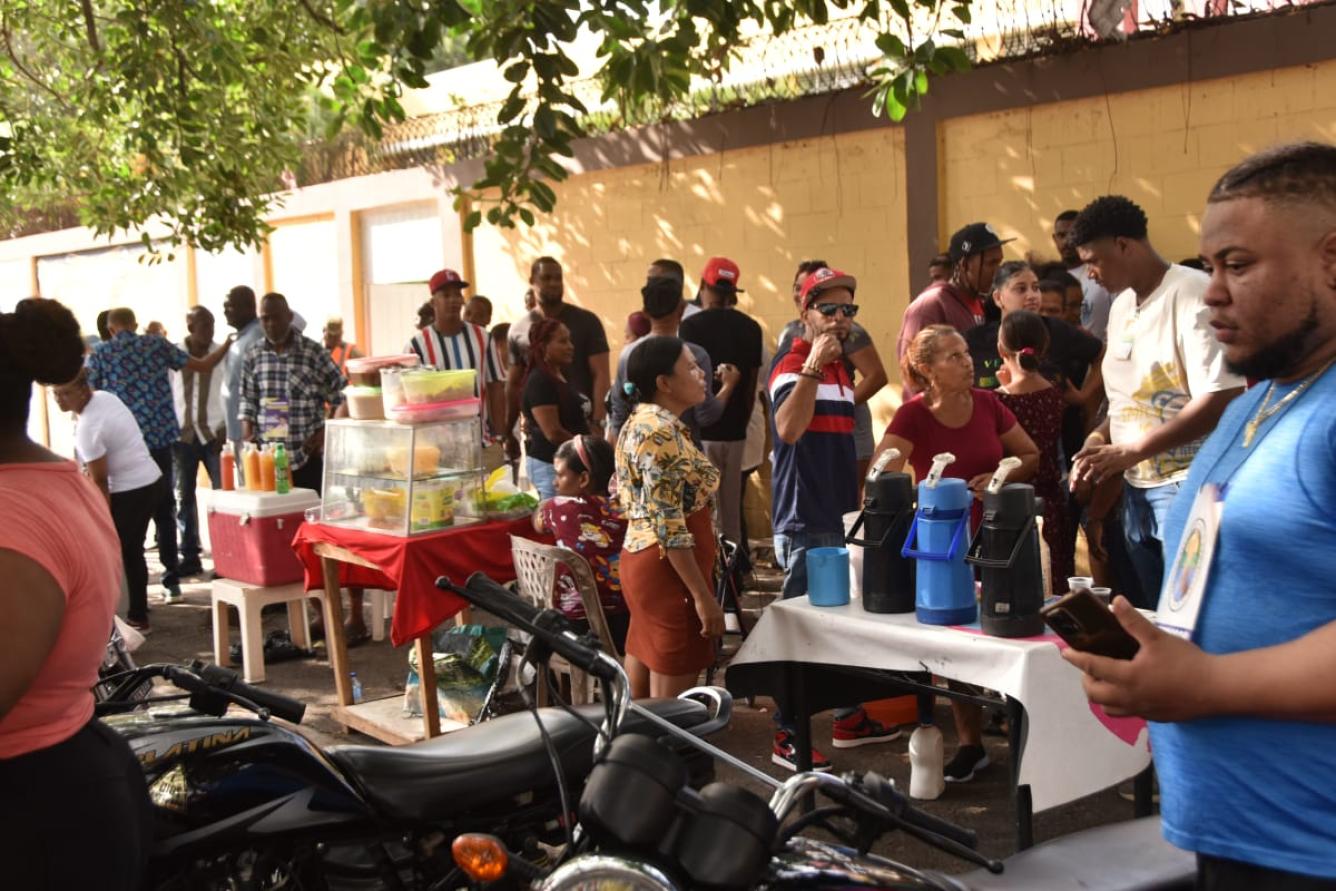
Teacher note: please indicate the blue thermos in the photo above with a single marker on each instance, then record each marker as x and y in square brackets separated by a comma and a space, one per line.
[938, 539]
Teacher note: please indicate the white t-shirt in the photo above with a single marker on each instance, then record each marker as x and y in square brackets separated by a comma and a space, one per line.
[106, 427]
[1095, 303]
[1160, 356]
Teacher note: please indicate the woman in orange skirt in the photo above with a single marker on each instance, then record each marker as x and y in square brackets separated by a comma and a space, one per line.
[664, 483]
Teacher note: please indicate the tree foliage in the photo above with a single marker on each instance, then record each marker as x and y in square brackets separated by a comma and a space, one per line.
[189, 112]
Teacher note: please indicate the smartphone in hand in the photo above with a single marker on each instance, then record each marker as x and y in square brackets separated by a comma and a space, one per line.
[1090, 626]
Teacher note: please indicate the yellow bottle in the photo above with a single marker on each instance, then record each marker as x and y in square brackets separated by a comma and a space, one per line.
[267, 473]
[250, 462]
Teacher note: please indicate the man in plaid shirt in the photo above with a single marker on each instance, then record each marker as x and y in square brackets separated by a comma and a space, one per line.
[286, 381]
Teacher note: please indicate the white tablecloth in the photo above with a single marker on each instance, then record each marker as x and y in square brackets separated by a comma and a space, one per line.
[1072, 748]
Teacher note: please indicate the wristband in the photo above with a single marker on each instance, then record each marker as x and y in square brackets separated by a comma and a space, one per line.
[808, 373]
[1097, 435]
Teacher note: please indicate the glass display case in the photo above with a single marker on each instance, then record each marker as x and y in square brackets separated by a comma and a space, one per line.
[402, 479]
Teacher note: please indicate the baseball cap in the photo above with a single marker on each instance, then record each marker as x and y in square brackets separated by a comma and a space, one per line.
[721, 273]
[823, 280]
[974, 239]
[446, 277]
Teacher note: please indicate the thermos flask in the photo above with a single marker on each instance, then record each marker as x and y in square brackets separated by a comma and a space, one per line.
[888, 512]
[1006, 550]
[939, 539]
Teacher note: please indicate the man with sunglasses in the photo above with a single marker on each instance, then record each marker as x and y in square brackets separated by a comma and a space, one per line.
[815, 478]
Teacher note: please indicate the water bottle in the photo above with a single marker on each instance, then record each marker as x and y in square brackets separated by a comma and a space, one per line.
[926, 779]
[357, 687]
[888, 510]
[282, 483]
[1007, 552]
[938, 539]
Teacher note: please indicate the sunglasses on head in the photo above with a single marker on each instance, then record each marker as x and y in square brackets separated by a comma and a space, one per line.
[829, 309]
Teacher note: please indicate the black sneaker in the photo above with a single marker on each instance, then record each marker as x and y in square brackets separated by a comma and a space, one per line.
[785, 753]
[968, 760]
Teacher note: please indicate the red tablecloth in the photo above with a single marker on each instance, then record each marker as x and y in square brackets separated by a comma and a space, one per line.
[410, 566]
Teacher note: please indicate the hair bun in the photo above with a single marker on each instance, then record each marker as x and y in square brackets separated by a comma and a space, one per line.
[42, 341]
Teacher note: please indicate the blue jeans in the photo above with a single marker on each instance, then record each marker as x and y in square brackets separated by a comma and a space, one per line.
[1144, 513]
[543, 476]
[188, 457]
[791, 553]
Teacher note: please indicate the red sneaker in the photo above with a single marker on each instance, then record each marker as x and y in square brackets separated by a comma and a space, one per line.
[860, 730]
[785, 753]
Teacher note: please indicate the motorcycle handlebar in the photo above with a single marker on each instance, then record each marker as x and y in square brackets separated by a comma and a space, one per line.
[281, 706]
[547, 626]
[886, 794]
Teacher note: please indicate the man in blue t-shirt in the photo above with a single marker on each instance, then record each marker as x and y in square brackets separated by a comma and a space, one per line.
[1244, 711]
[814, 482]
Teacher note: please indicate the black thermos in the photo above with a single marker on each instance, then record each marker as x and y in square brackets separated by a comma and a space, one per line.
[1006, 549]
[888, 511]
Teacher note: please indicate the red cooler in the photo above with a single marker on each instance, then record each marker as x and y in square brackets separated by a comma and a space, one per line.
[251, 534]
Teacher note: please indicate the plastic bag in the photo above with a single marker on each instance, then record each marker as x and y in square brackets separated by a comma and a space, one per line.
[470, 661]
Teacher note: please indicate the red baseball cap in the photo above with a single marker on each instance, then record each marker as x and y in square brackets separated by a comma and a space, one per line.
[446, 278]
[823, 280]
[721, 273]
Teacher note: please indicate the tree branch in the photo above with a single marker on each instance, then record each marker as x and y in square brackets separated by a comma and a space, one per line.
[23, 69]
[90, 25]
[320, 17]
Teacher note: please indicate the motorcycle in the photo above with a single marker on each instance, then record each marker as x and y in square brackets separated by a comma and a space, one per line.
[243, 802]
[645, 827]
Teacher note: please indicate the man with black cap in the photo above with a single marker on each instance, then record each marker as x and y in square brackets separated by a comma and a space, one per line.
[451, 344]
[975, 253]
[733, 340]
[815, 478]
[665, 307]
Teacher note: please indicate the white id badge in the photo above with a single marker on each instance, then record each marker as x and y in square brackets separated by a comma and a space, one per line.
[1123, 350]
[1185, 583]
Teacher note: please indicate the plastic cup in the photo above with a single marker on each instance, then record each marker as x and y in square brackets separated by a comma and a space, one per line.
[1080, 583]
[1103, 595]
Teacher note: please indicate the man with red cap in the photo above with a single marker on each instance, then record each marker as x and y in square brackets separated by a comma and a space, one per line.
[451, 344]
[814, 482]
[733, 340]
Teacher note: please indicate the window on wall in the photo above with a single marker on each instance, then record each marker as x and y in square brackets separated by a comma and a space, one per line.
[306, 271]
[399, 245]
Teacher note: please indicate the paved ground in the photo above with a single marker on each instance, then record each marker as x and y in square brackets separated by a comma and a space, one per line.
[183, 631]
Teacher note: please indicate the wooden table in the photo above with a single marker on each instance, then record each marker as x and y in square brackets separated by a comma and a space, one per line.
[379, 718]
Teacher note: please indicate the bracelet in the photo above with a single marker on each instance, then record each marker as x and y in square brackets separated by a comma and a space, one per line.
[808, 373]
[1097, 435]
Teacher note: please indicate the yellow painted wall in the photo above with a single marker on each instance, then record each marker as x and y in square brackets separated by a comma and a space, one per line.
[838, 198]
[1164, 148]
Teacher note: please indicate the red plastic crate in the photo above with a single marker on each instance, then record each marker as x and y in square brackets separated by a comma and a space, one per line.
[251, 535]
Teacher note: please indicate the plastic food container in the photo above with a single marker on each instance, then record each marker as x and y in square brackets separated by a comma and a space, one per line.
[365, 372]
[364, 403]
[457, 410]
[429, 386]
[384, 508]
[426, 459]
[392, 388]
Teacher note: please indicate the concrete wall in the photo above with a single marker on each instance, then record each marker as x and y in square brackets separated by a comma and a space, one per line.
[1163, 148]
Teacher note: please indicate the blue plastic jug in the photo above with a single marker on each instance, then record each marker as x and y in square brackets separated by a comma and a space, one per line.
[828, 576]
[939, 539]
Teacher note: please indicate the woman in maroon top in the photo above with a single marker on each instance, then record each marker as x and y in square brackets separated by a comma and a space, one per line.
[950, 415]
[1022, 341]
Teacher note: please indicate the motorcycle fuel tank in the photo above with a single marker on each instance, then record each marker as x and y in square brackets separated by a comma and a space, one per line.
[244, 777]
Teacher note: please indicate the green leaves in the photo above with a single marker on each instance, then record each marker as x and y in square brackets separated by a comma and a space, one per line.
[902, 78]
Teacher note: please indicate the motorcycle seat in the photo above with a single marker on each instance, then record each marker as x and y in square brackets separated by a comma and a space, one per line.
[491, 762]
[1128, 856]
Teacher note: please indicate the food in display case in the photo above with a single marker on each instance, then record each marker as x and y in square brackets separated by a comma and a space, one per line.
[401, 479]
[426, 386]
[364, 403]
[459, 409]
[365, 372]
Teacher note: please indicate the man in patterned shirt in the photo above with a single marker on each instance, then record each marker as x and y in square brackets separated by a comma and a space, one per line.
[286, 381]
[137, 369]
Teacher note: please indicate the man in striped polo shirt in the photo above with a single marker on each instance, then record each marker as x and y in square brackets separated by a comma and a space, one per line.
[449, 343]
[815, 478]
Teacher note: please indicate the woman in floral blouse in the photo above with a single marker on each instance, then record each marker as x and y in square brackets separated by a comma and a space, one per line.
[664, 484]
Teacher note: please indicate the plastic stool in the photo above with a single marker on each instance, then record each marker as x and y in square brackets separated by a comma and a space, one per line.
[249, 600]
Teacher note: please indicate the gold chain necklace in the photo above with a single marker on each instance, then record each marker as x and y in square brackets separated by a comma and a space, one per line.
[1267, 411]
